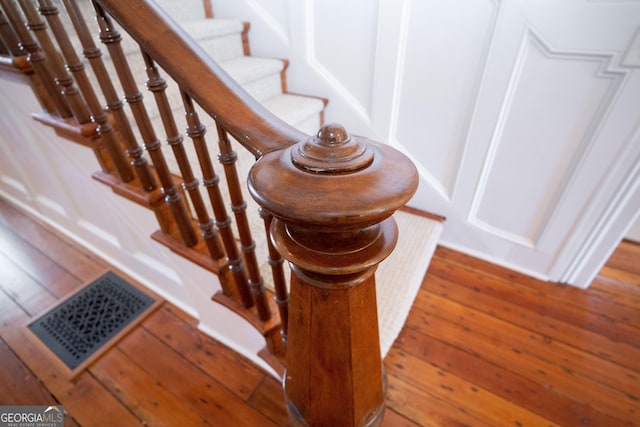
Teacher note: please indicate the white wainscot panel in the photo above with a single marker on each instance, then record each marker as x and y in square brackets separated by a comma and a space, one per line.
[442, 62]
[342, 47]
[551, 113]
[599, 25]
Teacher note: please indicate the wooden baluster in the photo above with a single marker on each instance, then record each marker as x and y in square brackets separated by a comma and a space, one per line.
[332, 197]
[114, 104]
[4, 50]
[277, 272]
[98, 115]
[196, 131]
[228, 158]
[51, 98]
[61, 76]
[157, 85]
[8, 37]
[111, 37]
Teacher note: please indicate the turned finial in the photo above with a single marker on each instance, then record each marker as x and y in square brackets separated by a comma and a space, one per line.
[332, 150]
[333, 180]
[332, 196]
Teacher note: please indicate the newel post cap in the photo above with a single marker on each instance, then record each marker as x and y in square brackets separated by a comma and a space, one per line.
[333, 180]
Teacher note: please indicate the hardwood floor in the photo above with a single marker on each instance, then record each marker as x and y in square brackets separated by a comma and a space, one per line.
[483, 346]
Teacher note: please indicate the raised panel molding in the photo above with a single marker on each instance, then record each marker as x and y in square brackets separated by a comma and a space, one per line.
[444, 46]
[552, 110]
[343, 57]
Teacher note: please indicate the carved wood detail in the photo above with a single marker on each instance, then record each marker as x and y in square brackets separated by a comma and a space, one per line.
[228, 159]
[334, 242]
[63, 80]
[57, 103]
[110, 36]
[97, 113]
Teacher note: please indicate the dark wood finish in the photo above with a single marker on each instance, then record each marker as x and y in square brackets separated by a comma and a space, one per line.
[97, 113]
[62, 78]
[276, 262]
[115, 106]
[45, 87]
[228, 158]
[211, 182]
[8, 37]
[257, 129]
[152, 144]
[334, 242]
[467, 366]
[111, 38]
[158, 86]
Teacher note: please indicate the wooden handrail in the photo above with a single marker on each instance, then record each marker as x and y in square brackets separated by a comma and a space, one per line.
[251, 124]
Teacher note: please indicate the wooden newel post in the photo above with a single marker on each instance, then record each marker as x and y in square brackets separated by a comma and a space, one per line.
[332, 197]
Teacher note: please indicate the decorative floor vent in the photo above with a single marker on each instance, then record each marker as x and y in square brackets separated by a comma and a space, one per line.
[82, 324]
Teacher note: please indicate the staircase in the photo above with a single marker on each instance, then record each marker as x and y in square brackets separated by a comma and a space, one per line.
[250, 270]
[227, 42]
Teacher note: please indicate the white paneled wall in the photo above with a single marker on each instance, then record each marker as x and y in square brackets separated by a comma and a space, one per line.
[522, 116]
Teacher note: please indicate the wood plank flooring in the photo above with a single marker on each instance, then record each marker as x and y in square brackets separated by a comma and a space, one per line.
[483, 346]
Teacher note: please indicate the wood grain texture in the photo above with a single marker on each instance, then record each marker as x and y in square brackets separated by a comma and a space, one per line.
[18, 386]
[204, 352]
[478, 349]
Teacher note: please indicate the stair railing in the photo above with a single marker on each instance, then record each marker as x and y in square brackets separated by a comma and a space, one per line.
[21, 45]
[326, 200]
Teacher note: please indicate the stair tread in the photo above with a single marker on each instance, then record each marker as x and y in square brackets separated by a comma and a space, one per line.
[293, 108]
[183, 10]
[207, 28]
[247, 69]
[399, 277]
